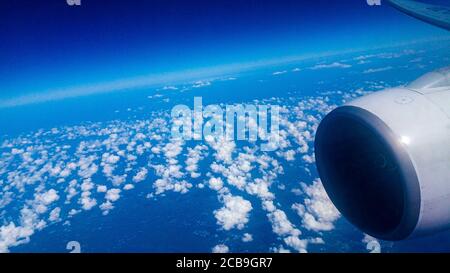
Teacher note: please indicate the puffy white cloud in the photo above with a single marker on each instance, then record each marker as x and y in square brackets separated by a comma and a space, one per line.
[281, 224]
[128, 187]
[318, 212]
[308, 159]
[247, 237]
[113, 195]
[47, 197]
[296, 243]
[289, 155]
[235, 212]
[87, 185]
[86, 201]
[162, 185]
[106, 207]
[110, 158]
[260, 188]
[280, 249]
[141, 175]
[117, 180]
[224, 148]
[215, 183]
[220, 249]
[54, 215]
[102, 188]
[199, 84]
[372, 244]
[173, 149]
[12, 235]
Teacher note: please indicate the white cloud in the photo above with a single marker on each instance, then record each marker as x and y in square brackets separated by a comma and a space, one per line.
[220, 249]
[332, 65]
[47, 197]
[247, 237]
[296, 243]
[101, 188]
[199, 84]
[215, 183]
[169, 87]
[235, 212]
[281, 225]
[110, 158]
[318, 212]
[375, 70]
[86, 201]
[372, 244]
[113, 195]
[259, 188]
[279, 72]
[54, 215]
[106, 207]
[141, 175]
[12, 235]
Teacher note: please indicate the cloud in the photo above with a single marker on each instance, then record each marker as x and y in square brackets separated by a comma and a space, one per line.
[372, 244]
[259, 188]
[220, 249]
[113, 195]
[106, 207]
[281, 225]
[215, 183]
[86, 201]
[332, 65]
[247, 238]
[141, 175]
[279, 72]
[101, 188]
[12, 235]
[296, 243]
[199, 84]
[54, 215]
[235, 212]
[224, 148]
[318, 212]
[170, 87]
[376, 70]
[48, 197]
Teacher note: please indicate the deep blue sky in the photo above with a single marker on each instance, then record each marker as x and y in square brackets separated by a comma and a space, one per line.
[47, 44]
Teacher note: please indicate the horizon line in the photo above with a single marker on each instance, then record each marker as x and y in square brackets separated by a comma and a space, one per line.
[183, 76]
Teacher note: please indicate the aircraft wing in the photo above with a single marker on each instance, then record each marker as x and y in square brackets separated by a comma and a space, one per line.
[432, 14]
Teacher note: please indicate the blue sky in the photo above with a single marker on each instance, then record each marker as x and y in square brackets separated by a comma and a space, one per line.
[48, 45]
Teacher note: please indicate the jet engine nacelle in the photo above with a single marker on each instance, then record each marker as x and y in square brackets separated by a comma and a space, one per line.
[384, 159]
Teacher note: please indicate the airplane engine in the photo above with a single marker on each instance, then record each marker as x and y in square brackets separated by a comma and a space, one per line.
[384, 159]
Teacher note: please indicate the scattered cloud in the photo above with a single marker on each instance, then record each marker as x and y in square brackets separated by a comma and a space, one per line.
[331, 65]
[220, 249]
[376, 70]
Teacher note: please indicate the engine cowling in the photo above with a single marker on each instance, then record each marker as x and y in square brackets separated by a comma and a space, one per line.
[384, 159]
